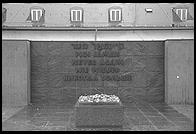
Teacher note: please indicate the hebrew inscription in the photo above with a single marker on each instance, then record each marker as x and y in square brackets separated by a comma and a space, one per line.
[98, 62]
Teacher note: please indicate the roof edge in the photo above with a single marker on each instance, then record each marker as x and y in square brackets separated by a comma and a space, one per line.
[96, 28]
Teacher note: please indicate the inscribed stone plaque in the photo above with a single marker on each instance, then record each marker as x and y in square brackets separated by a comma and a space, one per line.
[96, 67]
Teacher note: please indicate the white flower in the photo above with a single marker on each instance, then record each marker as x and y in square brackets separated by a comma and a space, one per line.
[99, 98]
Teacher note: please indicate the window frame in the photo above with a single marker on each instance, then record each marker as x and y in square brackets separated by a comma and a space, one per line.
[36, 14]
[76, 13]
[181, 13]
[115, 12]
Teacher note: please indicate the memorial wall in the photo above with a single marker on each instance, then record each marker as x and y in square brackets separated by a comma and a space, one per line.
[62, 71]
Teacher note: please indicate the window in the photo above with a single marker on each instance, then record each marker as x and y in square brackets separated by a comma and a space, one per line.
[4, 10]
[182, 13]
[36, 14]
[76, 15]
[115, 14]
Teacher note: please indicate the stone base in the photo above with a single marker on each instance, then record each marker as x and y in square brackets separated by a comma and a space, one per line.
[111, 115]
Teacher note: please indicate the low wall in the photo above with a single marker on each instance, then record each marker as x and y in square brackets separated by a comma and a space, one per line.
[15, 73]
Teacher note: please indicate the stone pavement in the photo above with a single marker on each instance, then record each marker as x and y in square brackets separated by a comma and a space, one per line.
[7, 112]
[139, 116]
[187, 110]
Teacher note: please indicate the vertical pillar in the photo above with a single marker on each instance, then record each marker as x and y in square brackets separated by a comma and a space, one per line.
[179, 70]
[15, 73]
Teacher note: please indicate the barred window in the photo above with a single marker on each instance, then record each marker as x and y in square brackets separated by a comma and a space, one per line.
[4, 10]
[76, 15]
[36, 14]
[115, 14]
[182, 13]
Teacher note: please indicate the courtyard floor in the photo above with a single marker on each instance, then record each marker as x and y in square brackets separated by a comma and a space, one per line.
[139, 116]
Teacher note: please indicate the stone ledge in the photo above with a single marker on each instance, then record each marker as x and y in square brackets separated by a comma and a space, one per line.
[111, 115]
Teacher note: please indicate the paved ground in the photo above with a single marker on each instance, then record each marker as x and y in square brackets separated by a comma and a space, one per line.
[187, 110]
[139, 116]
[7, 112]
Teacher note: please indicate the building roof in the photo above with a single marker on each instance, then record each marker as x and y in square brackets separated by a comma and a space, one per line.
[57, 15]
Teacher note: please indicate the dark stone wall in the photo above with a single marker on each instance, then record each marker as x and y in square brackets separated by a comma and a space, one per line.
[51, 61]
